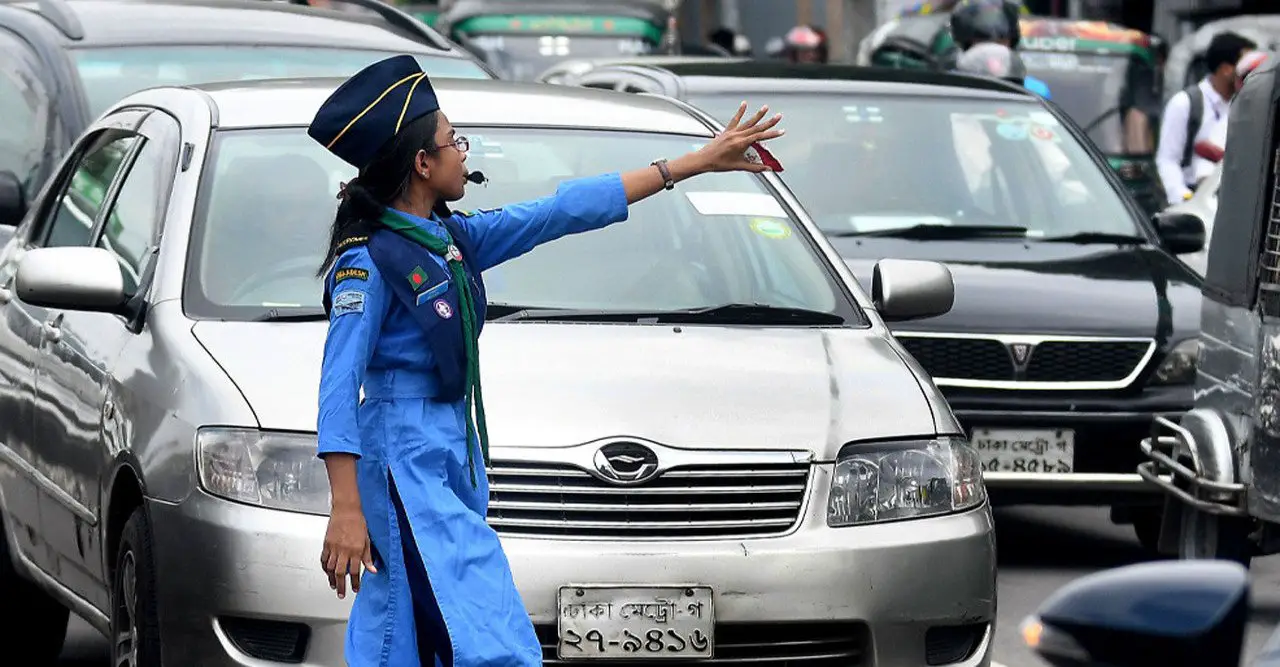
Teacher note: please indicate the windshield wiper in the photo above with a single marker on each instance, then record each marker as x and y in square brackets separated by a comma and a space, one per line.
[308, 315]
[729, 313]
[933, 231]
[1096, 237]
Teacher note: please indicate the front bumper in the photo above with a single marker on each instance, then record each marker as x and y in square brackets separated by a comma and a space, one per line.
[1108, 432]
[241, 585]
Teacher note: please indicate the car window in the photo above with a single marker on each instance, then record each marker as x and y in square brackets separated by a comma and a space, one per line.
[136, 214]
[522, 57]
[719, 238]
[861, 163]
[72, 218]
[111, 73]
[24, 108]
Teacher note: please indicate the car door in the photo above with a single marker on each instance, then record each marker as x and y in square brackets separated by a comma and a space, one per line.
[76, 363]
[67, 216]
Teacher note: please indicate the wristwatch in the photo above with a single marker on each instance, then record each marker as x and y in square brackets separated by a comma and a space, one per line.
[667, 183]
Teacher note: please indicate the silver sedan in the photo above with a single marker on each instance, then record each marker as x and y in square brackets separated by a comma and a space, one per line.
[704, 435]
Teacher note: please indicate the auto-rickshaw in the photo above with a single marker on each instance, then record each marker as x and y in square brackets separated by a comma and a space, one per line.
[1219, 463]
[1103, 75]
[520, 39]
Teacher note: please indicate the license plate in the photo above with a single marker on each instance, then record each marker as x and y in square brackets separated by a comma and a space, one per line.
[1025, 450]
[635, 623]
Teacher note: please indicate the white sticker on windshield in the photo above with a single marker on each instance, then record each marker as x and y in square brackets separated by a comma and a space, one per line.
[875, 223]
[736, 203]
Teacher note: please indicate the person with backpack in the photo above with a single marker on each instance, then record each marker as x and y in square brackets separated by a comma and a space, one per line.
[1194, 114]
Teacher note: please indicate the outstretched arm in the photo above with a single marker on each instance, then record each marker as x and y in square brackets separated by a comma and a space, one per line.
[584, 204]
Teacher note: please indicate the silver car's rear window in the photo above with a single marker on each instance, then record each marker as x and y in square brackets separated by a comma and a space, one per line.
[268, 201]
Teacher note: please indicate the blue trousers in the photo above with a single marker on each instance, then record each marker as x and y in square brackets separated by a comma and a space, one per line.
[433, 636]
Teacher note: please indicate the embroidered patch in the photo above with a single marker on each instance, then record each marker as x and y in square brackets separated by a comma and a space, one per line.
[433, 292]
[350, 301]
[351, 242]
[443, 309]
[417, 278]
[350, 274]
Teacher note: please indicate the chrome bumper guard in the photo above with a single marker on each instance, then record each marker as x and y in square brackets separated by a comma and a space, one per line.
[1162, 470]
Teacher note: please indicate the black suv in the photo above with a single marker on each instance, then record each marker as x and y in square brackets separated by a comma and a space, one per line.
[65, 61]
[1074, 322]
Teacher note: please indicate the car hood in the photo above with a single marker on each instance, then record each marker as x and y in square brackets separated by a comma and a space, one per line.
[1047, 288]
[559, 384]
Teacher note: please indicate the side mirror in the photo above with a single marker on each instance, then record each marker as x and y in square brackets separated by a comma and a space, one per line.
[1181, 231]
[72, 278]
[13, 201]
[1170, 613]
[910, 289]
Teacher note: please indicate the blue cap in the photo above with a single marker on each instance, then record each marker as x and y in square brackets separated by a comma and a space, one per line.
[371, 107]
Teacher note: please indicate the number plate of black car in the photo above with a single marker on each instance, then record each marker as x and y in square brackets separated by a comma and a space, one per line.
[635, 623]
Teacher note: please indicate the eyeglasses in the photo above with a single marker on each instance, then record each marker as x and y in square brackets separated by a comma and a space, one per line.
[460, 143]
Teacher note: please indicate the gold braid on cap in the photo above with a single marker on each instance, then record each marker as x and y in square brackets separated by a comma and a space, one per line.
[374, 103]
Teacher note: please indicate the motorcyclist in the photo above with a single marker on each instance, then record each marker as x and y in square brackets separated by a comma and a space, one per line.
[806, 44]
[977, 22]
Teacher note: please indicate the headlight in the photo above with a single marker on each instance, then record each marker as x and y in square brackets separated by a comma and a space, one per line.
[269, 469]
[1179, 365]
[904, 480]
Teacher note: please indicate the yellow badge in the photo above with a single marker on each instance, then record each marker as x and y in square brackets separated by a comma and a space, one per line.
[771, 229]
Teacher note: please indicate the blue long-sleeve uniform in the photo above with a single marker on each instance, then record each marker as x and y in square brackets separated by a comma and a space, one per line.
[443, 583]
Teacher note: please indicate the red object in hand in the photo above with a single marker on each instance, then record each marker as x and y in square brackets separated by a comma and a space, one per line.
[761, 155]
[1209, 150]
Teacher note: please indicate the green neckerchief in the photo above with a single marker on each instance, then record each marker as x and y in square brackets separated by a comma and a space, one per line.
[470, 332]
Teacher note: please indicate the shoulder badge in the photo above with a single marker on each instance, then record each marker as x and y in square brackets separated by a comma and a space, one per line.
[350, 273]
[351, 242]
[465, 214]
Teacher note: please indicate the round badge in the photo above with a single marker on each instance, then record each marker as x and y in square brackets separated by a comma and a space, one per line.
[443, 309]
[1042, 133]
[455, 254]
[771, 229]
[1012, 131]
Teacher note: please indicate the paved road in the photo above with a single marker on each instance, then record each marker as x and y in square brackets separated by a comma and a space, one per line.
[1041, 549]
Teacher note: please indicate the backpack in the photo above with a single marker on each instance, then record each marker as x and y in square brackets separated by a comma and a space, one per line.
[1194, 116]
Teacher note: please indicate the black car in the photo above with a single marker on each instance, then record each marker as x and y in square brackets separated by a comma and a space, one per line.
[1074, 322]
[65, 61]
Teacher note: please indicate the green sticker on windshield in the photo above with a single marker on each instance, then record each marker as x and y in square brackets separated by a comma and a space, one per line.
[770, 229]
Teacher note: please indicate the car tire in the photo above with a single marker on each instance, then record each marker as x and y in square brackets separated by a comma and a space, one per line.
[1214, 537]
[31, 619]
[135, 623]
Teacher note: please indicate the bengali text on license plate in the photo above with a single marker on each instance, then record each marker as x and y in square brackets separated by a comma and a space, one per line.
[1025, 450]
[635, 623]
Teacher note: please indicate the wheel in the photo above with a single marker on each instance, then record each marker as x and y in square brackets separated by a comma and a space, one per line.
[32, 618]
[1214, 537]
[135, 625]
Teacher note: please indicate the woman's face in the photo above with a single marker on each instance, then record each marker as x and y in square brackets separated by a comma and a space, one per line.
[446, 167]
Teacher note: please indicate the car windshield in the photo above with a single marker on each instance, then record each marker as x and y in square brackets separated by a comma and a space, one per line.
[1098, 91]
[870, 163]
[111, 73]
[268, 199]
[524, 57]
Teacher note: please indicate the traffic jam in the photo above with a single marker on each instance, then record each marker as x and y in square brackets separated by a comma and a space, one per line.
[775, 345]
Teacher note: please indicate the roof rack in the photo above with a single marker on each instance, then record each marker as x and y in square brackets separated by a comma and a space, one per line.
[62, 16]
[396, 17]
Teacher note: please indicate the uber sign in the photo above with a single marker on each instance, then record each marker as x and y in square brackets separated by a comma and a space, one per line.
[1047, 43]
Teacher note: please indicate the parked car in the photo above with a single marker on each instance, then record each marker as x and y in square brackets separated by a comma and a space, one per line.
[566, 71]
[68, 60]
[801, 473]
[1074, 323]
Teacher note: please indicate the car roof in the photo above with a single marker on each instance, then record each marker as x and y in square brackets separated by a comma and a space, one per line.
[278, 103]
[707, 77]
[265, 22]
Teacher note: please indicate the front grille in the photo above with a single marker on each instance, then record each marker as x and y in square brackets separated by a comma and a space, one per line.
[764, 645]
[1056, 361]
[724, 501]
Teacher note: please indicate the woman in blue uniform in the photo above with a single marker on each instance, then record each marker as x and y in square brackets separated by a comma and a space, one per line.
[406, 303]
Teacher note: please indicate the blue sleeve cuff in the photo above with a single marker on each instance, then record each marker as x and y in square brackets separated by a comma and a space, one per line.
[325, 449]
